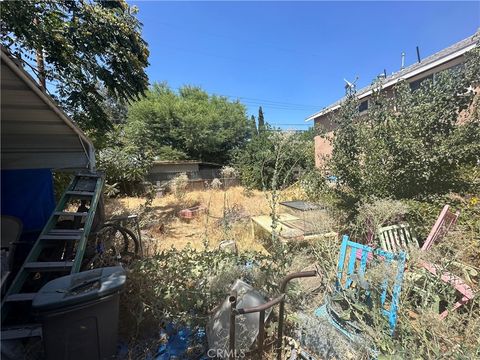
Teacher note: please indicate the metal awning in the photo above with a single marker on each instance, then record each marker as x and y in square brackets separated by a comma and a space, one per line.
[35, 132]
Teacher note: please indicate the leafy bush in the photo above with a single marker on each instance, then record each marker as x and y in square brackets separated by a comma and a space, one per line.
[185, 285]
[228, 172]
[216, 184]
[285, 154]
[376, 213]
[178, 186]
[412, 144]
[125, 169]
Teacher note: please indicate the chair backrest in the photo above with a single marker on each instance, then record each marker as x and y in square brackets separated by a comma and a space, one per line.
[352, 264]
[395, 238]
[445, 221]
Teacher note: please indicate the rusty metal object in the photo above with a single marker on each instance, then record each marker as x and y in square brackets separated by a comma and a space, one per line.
[233, 304]
[261, 309]
[193, 212]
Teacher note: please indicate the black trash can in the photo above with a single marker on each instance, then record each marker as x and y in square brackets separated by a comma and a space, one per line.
[79, 314]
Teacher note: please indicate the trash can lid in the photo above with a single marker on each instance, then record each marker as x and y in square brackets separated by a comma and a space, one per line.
[79, 288]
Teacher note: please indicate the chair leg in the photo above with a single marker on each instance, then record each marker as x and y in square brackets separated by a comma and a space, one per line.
[458, 304]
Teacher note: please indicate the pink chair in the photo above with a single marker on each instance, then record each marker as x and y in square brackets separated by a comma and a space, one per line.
[453, 280]
[445, 221]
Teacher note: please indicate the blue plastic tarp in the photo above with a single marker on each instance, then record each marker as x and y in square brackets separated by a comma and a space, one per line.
[28, 195]
[178, 343]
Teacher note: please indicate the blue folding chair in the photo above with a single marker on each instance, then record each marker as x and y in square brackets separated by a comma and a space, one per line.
[352, 264]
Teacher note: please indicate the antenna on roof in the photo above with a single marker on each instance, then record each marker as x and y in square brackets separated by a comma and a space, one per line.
[350, 87]
[418, 54]
[403, 61]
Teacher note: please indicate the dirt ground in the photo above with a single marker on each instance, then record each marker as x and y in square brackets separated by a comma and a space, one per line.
[163, 229]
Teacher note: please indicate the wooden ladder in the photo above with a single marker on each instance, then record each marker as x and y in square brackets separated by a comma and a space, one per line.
[58, 251]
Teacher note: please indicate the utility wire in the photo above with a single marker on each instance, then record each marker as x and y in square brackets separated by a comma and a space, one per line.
[264, 102]
[250, 42]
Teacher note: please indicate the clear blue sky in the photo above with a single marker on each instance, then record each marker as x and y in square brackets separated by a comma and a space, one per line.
[292, 57]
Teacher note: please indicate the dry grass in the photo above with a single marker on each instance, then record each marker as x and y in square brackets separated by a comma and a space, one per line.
[163, 229]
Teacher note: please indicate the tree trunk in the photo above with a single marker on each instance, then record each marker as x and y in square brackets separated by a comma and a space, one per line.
[40, 63]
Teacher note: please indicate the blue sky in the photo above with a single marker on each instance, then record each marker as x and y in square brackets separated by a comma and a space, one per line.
[292, 57]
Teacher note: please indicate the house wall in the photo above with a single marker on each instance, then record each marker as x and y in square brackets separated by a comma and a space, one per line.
[209, 172]
[164, 172]
[194, 171]
[323, 149]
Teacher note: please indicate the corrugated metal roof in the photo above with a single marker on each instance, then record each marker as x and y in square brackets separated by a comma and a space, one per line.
[35, 132]
[445, 55]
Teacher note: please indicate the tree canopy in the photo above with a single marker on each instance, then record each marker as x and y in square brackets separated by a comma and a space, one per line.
[188, 124]
[287, 154]
[80, 47]
[261, 120]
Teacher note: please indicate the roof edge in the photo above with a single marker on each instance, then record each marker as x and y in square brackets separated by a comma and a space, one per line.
[86, 143]
[408, 74]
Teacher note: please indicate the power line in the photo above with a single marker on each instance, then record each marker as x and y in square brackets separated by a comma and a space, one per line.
[279, 124]
[249, 42]
[264, 102]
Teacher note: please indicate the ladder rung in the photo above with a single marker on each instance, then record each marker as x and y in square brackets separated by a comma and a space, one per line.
[48, 265]
[20, 297]
[60, 237]
[65, 213]
[25, 331]
[80, 193]
[88, 175]
[65, 232]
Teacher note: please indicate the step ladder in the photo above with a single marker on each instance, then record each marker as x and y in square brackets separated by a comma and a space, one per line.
[58, 251]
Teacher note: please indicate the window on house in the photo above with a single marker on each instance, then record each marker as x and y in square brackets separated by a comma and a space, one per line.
[363, 106]
[414, 85]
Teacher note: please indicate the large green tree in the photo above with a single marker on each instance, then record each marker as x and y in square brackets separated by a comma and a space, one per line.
[188, 124]
[83, 49]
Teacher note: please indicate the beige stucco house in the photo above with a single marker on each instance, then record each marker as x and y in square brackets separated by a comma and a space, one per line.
[413, 74]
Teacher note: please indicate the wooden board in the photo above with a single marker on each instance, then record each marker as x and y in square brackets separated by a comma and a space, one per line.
[289, 227]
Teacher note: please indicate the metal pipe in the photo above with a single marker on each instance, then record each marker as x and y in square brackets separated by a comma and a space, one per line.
[418, 54]
[261, 332]
[233, 304]
[296, 275]
[281, 311]
[261, 309]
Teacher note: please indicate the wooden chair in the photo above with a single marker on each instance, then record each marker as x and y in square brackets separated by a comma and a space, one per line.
[456, 282]
[445, 221]
[396, 237]
[400, 237]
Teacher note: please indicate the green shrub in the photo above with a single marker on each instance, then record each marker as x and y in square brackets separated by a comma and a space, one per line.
[376, 213]
[410, 145]
[285, 154]
[184, 286]
[125, 169]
